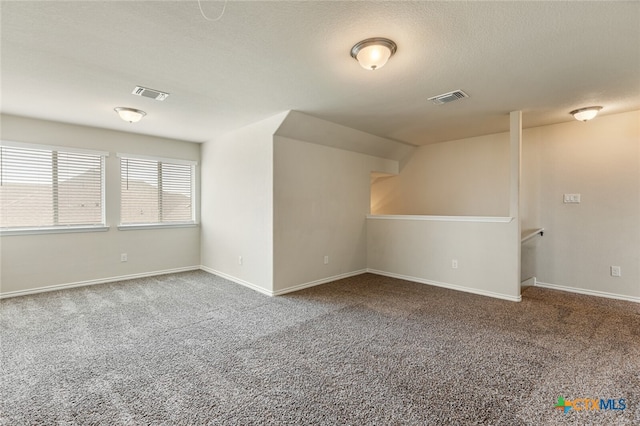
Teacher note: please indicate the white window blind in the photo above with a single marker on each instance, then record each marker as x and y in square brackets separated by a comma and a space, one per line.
[156, 191]
[50, 187]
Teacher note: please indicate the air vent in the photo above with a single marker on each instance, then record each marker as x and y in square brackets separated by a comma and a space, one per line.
[150, 93]
[448, 97]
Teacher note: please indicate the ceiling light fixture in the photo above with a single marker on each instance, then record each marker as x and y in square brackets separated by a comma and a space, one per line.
[129, 114]
[585, 114]
[373, 53]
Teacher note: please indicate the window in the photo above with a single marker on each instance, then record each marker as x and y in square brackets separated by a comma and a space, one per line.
[156, 191]
[50, 188]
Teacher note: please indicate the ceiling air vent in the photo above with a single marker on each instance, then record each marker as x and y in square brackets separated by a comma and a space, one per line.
[448, 97]
[150, 93]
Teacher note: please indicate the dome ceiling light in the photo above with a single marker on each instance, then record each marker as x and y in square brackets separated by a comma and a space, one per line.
[585, 114]
[373, 53]
[130, 114]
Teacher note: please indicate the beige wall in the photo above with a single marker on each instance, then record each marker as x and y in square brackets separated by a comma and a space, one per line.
[283, 204]
[468, 177]
[423, 250]
[33, 261]
[600, 160]
[457, 180]
[530, 180]
[321, 199]
[237, 205]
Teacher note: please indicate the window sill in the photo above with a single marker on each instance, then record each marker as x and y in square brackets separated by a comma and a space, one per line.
[53, 230]
[136, 227]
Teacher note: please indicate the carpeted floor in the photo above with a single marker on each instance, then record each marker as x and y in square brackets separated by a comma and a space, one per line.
[192, 348]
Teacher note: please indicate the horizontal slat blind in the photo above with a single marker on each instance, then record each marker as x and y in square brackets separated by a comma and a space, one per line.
[42, 188]
[155, 192]
[176, 192]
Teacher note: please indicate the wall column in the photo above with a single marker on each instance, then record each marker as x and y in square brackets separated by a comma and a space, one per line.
[515, 161]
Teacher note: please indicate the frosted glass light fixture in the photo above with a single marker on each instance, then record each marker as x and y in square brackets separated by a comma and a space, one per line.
[373, 53]
[130, 114]
[585, 114]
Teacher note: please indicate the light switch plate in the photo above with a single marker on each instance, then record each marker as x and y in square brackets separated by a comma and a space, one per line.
[571, 198]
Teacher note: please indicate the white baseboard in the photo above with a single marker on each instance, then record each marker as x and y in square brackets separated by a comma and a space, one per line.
[588, 292]
[447, 285]
[318, 282]
[284, 290]
[531, 282]
[237, 280]
[97, 281]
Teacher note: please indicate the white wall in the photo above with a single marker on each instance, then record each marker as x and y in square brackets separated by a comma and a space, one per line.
[423, 250]
[320, 202]
[321, 199]
[530, 205]
[237, 205]
[283, 203]
[600, 160]
[468, 177]
[462, 178]
[30, 262]
[304, 127]
[530, 180]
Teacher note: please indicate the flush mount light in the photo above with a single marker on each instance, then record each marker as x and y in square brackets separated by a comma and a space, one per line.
[129, 114]
[585, 114]
[373, 53]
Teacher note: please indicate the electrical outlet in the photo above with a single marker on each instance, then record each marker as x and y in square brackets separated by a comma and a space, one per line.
[124, 257]
[454, 264]
[616, 271]
[239, 260]
[326, 260]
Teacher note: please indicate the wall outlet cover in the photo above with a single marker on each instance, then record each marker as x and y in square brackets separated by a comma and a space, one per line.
[616, 271]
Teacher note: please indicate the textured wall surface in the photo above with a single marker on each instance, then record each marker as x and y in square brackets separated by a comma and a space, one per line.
[33, 261]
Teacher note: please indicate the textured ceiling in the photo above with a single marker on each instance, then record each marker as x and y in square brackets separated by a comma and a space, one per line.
[75, 61]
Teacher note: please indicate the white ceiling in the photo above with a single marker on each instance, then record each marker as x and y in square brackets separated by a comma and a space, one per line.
[75, 61]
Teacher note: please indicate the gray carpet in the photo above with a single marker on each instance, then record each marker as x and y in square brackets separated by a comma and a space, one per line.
[192, 348]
